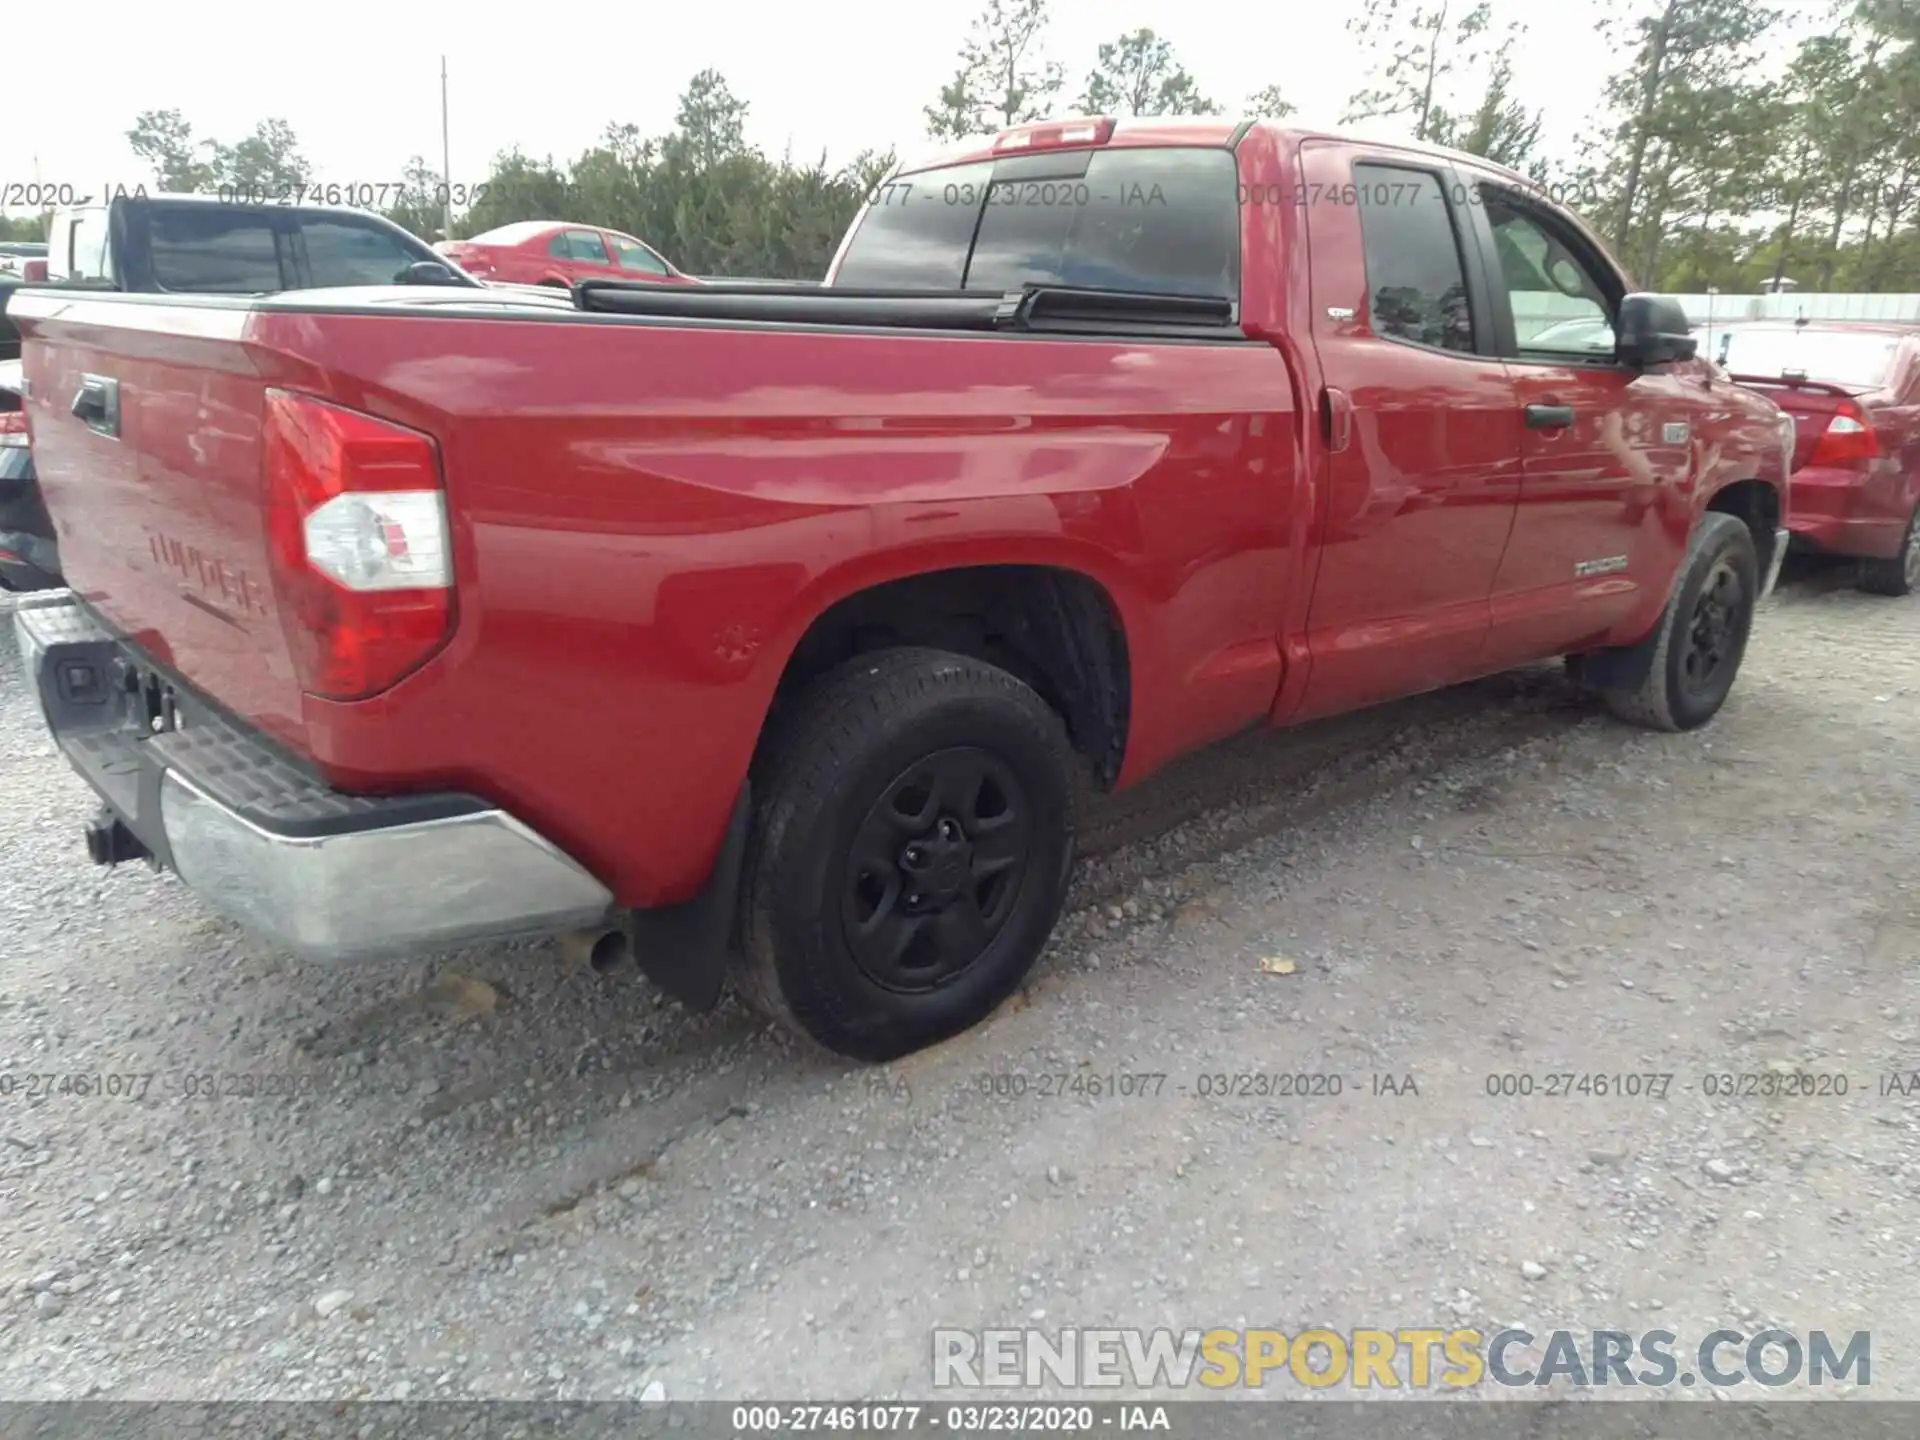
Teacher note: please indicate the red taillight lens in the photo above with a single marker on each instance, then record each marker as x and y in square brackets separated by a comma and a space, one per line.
[1848, 436]
[13, 429]
[357, 532]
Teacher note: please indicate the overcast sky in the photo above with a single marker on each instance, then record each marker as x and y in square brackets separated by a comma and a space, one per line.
[360, 82]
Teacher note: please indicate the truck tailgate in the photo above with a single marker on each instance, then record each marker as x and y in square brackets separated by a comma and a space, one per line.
[156, 496]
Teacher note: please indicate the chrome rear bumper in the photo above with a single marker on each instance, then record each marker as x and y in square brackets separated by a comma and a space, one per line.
[262, 839]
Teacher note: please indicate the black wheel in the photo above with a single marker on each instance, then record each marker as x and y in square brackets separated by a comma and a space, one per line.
[1702, 636]
[911, 847]
[1901, 574]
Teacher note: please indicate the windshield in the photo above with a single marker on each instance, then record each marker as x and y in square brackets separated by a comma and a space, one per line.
[1855, 360]
[1160, 221]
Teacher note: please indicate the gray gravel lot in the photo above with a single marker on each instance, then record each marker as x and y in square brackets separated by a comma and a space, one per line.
[483, 1175]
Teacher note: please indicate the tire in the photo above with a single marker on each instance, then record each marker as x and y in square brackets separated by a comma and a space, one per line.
[1901, 574]
[832, 942]
[1703, 632]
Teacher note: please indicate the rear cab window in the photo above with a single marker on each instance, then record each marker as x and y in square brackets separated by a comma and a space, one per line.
[1163, 221]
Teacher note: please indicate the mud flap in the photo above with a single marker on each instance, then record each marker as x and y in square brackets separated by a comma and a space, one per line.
[683, 948]
[1622, 668]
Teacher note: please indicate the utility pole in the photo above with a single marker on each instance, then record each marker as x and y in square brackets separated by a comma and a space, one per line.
[446, 153]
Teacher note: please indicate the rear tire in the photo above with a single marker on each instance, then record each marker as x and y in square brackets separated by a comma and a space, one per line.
[910, 851]
[1901, 574]
[1703, 632]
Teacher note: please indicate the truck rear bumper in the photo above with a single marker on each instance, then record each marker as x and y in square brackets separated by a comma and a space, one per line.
[266, 842]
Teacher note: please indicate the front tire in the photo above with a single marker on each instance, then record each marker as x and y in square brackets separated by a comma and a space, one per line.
[1900, 575]
[1703, 632]
[910, 851]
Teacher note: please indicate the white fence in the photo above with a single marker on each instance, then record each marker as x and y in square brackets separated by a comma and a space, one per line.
[1533, 311]
[1721, 308]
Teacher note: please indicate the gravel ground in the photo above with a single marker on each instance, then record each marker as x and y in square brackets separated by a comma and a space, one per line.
[488, 1175]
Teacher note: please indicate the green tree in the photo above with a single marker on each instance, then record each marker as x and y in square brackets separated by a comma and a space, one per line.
[1137, 74]
[1502, 129]
[418, 208]
[267, 160]
[164, 140]
[1269, 104]
[519, 188]
[1415, 49]
[700, 194]
[1003, 78]
[24, 227]
[711, 122]
[1682, 53]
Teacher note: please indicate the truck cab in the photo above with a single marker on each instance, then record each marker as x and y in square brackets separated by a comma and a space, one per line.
[202, 244]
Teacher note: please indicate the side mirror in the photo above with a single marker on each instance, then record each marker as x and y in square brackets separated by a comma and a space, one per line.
[429, 272]
[1654, 330]
[33, 272]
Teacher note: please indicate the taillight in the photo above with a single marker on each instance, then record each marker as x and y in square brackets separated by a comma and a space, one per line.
[1848, 436]
[13, 430]
[357, 532]
[469, 258]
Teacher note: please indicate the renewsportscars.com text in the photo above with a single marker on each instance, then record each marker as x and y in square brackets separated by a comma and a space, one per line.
[1401, 1358]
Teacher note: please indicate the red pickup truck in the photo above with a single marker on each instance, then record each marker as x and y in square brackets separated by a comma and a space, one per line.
[770, 633]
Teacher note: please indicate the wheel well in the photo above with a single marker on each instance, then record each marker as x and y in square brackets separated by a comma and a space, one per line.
[556, 284]
[1057, 630]
[1756, 504]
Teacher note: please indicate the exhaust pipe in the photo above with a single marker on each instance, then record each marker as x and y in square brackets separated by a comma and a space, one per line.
[604, 950]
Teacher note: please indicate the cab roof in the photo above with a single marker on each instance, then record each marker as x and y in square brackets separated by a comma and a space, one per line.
[1143, 132]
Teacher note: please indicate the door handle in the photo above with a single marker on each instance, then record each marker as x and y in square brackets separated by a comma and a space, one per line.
[97, 404]
[1549, 417]
[1336, 419]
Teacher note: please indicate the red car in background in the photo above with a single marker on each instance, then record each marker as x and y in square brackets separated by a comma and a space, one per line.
[1853, 389]
[548, 252]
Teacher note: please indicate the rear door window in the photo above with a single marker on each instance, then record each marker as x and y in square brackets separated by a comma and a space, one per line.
[215, 251]
[1160, 221]
[585, 245]
[1416, 278]
[342, 253]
